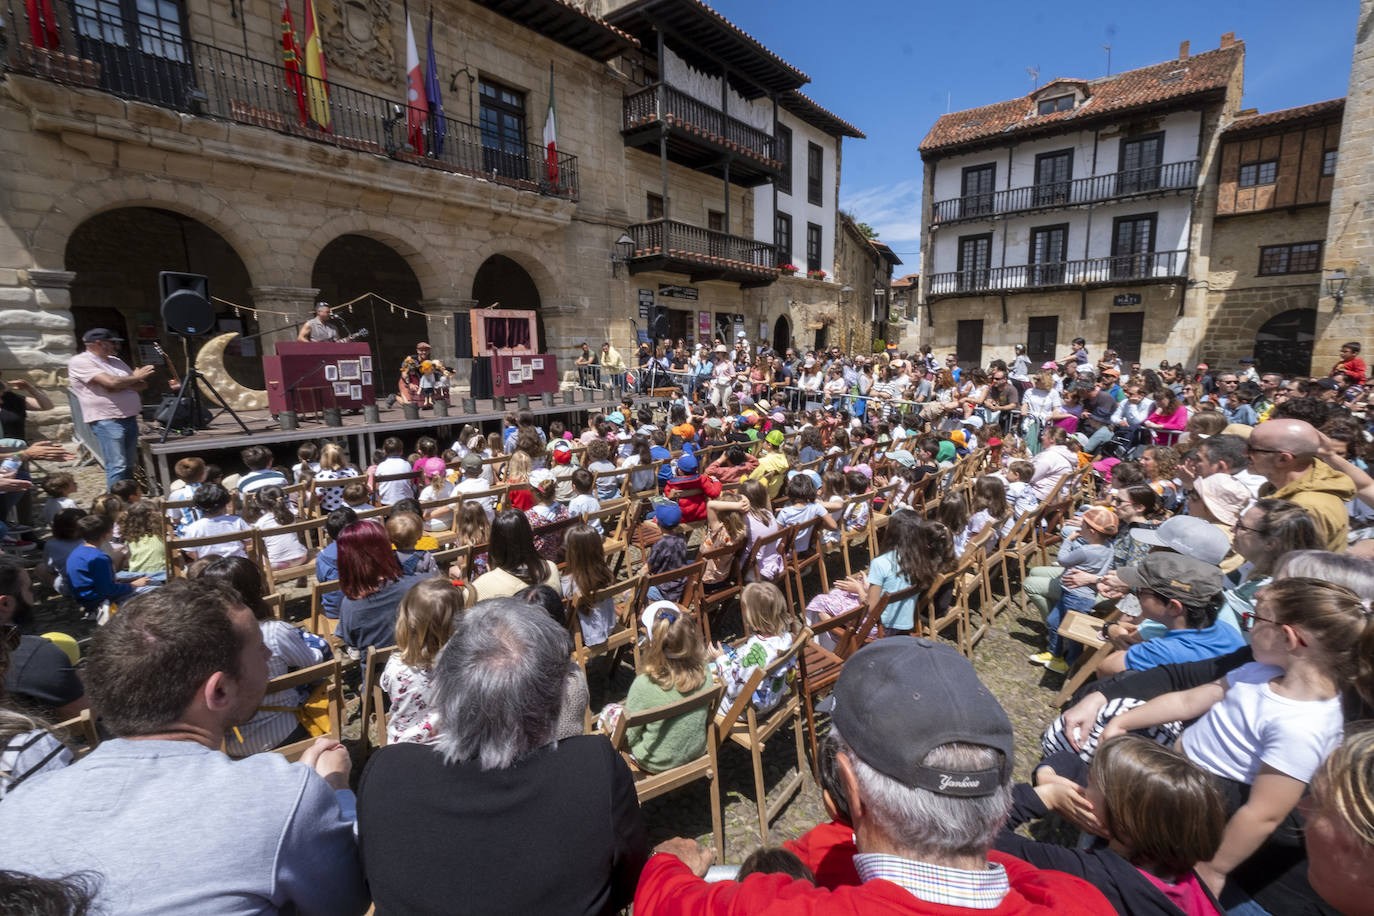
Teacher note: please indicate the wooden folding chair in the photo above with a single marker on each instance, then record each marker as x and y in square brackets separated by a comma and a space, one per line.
[651, 785]
[782, 539]
[310, 532]
[79, 733]
[307, 677]
[1085, 629]
[851, 536]
[623, 633]
[374, 700]
[932, 620]
[319, 624]
[819, 667]
[250, 539]
[797, 563]
[691, 594]
[754, 729]
[880, 511]
[713, 602]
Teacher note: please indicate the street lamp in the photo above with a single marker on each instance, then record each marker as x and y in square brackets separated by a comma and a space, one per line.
[621, 252]
[1336, 283]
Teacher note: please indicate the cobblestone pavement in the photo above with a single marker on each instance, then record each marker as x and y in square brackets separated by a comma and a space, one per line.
[1000, 659]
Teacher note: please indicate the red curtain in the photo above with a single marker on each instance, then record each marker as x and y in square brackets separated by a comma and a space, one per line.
[507, 333]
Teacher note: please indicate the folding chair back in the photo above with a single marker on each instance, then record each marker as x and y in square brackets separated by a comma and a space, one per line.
[307, 677]
[374, 700]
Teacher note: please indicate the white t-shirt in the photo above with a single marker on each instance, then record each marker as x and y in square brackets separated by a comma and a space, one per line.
[597, 623]
[209, 527]
[793, 514]
[478, 485]
[393, 491]
[1253, 725]
[443, 518]
[281, 548]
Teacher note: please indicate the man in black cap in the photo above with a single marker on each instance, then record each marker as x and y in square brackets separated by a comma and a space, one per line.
[108, 392]
[923, 760]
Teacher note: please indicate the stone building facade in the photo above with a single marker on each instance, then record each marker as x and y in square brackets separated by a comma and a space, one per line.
[1274, 184]
[1350, 228]
[137, 142]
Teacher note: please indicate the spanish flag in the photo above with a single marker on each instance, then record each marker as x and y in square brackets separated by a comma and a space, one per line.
[317, 83]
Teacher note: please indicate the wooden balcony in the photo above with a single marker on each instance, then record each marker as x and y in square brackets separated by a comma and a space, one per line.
[700, 136]
[701, 254]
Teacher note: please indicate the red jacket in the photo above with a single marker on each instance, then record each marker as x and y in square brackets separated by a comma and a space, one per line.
[1353, 367]
[691, 494]
[667, 887]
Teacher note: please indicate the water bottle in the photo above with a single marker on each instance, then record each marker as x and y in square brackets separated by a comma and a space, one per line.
[11, 465]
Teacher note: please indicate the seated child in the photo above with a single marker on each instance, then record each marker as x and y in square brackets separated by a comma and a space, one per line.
[90, 573]
[141, 525]
[59, 547]
[424, 623]
[584, 502]
[327, 560]
[434, 473]
[268, 508]
[60, 487]
[212, 502]
[1019, 492]
[669, 552]
[770, 629]
[404, 529]
[563, 469]
[355, 496]
[1091, 552]
[474, 530]
[691, 490]
[802, 508]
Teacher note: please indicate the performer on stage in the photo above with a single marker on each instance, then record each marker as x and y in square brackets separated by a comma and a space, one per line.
[323, 327]
[423, 379]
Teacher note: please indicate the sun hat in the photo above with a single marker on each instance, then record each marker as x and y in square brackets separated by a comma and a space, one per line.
[1225, 496]
[433, 467]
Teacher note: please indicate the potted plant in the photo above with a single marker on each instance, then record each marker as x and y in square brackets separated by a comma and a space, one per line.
[815, 274]
[788, 269]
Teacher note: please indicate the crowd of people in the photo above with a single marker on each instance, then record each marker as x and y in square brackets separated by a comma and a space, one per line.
[1216, 528]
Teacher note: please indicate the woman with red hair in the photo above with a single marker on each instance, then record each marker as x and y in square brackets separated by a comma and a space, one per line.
[372, 584]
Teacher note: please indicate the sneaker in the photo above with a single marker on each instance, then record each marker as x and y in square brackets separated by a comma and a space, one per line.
[1058, 665]
[1041, 658]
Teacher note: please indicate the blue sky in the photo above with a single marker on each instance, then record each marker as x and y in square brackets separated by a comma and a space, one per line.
[891, 67]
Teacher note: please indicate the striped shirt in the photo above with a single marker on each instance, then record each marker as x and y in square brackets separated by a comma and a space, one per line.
[974, 890]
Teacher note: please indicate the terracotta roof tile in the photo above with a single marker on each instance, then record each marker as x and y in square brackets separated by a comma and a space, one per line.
[1284, 115]
[1173, 79]
[814, 114]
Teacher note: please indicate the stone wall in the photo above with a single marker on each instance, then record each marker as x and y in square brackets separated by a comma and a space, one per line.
[1350, 229]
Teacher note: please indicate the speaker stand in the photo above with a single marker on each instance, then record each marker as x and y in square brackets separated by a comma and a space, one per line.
[190, 392]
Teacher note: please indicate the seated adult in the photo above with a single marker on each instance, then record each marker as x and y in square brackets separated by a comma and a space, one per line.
[1284, 453]
[373, 585]
[927, 786]
[537, 826]
[159, 813]
[1180, 594]
[514, 561]
[40, 677]
[1339, 833]
[1055, 461]
[1219, 499]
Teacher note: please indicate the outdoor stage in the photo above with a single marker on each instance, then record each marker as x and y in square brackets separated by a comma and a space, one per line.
[362, 437]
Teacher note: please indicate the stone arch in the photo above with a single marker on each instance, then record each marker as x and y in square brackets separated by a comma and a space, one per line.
[530, 258]
[782, 334]
[406, 240]
[503, 282]
[48, 244]
[353, 264]
[1284, 342]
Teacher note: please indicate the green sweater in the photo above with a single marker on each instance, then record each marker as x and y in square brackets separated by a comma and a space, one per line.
[667, 743]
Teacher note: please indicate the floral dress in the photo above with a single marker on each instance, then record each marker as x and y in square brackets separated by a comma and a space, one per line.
[735, 666]
[413, 717]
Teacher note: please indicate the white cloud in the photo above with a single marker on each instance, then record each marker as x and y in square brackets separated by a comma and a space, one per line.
[895, 211]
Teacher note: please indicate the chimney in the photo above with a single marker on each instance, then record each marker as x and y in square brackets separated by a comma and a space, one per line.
[1227, 40]
[1183, 50]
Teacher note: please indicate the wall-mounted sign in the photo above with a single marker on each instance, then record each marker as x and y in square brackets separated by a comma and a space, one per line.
[1126, 299]
[671, 291]
[704, 327]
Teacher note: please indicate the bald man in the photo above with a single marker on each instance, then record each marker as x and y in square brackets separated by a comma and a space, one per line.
[1284, 453]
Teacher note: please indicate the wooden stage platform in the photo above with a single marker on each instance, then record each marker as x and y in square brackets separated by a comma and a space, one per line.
[362, 437]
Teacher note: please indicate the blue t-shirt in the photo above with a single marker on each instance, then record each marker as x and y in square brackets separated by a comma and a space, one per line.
[327, 570]
[90, 575]
[1184, 646]
[887, 575]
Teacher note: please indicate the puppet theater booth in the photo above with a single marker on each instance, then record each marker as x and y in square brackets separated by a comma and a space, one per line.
[505, 350]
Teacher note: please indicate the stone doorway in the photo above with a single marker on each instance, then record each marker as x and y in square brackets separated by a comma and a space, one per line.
[1284, 342]
[782, 334]
[117, 255]
[354, 264]
[502, 283]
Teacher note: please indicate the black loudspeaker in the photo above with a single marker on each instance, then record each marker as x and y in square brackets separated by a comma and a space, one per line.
[186, 307]
[659, 324]
[181, 415]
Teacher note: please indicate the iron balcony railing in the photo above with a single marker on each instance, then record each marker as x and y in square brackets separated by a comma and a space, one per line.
[678, 241]
[150, 60]
[1154, 265]
[1173, 176]
[701, 118]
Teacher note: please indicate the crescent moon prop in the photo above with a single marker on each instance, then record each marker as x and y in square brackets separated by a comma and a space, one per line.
[210, 362]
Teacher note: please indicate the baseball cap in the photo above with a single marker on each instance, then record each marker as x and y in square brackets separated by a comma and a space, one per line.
[472, 462]
[653, 610]
[431, 467]
[902, 457]
[958, 437]
[1049, 365]
[777, 417]
[973, 420]
[1100, 520]
[541, 478]
[1174, 576]
[668, 515]
[687, 464]
[616, 418]
[1329, 384]
[1189, 536]
[714, 423]
[775, 437]
[95, 334]
[899, 698]
[1225, 496]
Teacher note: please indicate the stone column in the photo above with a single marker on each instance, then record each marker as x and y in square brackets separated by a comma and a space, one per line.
[298, 303]
[442, 316]
[36, 338]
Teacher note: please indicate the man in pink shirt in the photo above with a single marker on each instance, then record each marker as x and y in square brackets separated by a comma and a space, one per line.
[107, 390]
